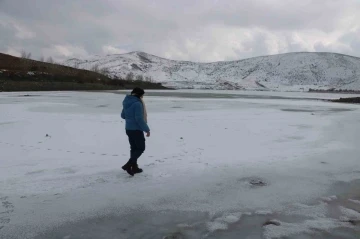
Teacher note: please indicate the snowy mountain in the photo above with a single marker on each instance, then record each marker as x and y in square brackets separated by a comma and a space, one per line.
[291, 71]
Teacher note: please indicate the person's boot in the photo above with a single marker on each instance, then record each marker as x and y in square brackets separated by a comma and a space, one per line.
[136, 169]
[127, 167]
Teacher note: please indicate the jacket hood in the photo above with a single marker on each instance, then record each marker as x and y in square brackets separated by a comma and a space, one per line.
[129, 101]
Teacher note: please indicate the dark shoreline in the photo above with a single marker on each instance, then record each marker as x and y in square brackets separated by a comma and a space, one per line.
[352, 100]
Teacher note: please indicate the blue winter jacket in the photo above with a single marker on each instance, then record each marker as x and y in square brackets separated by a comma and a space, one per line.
[133, 114]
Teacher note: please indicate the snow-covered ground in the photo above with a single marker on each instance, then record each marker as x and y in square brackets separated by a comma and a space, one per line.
[213, 168]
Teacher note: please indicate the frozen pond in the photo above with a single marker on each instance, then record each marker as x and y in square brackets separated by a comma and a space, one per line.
[218, 165]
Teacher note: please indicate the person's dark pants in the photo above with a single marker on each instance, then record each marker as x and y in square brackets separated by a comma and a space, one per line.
[137, 145]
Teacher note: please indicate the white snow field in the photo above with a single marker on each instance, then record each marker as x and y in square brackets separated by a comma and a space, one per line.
[213, 168]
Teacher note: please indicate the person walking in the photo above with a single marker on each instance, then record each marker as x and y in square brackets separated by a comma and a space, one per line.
[135, 116]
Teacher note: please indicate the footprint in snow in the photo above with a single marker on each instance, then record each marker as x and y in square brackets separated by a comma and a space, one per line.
[6, 204]
[6, 208]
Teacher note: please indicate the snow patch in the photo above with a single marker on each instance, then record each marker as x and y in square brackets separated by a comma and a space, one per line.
[308, 226]
[215, 226]
[230, 218]
[354, 201]
[221, 223]
[329, 199]
[316, 211]
[349, 214]
[263, 212]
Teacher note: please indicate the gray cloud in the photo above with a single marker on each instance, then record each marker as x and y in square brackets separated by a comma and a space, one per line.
[279, 15]
[202, 30]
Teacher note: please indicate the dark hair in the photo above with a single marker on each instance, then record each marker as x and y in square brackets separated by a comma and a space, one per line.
[138, 91]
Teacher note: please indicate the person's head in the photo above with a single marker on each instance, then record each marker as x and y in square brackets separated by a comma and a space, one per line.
[138, 92]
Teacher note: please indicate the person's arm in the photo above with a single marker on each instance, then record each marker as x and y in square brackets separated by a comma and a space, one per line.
[139, 117]
[123, 114]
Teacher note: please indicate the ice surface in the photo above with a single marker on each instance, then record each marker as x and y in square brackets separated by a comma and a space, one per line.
[61, 155]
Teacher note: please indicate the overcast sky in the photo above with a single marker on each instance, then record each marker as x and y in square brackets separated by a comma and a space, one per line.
[196, 30]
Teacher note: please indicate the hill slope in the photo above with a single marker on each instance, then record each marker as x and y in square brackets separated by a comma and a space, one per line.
[19, 74]
[292, 71]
